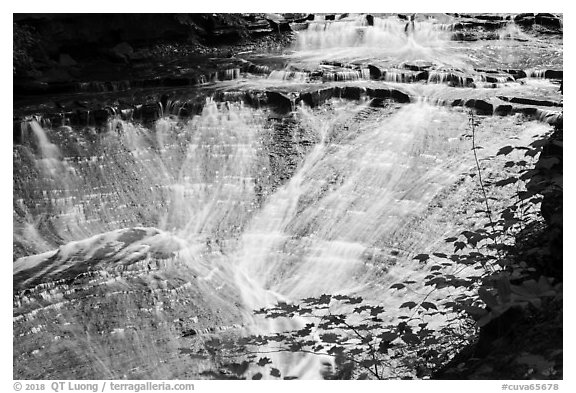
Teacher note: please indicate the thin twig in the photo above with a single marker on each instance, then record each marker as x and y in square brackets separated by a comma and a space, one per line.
[488, 211]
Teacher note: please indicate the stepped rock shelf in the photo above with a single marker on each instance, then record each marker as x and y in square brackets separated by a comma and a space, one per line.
[164, 189]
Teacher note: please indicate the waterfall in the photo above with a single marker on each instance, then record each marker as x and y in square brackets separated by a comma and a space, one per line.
[49, 154]
[353, 33]
[196, 179]
[334, 226]
[512, 32]
[189, 222]
[289, 75]
[386, 40]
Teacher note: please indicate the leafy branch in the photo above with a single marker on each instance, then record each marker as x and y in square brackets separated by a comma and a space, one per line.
[475, 285]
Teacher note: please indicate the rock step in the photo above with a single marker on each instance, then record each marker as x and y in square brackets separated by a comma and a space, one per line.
[479, 23]
[403, 73]
[501, 107]
[543, 19]
[530, 101]
[156, 107]
[282, 103]
[125, 85]
[486, 22]
[545, 73]
[453, 78]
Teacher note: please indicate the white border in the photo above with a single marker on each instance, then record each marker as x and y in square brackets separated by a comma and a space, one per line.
[112, 6]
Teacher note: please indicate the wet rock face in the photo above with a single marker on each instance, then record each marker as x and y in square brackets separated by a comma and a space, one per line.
[286, 146]
[129, 297]
[393, 94]
[318, 97]
[282, 103]
[208, 150]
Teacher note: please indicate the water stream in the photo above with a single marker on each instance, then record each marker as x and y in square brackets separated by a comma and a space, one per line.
[368, 187]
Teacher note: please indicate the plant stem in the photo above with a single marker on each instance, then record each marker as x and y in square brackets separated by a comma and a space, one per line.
[488, 211]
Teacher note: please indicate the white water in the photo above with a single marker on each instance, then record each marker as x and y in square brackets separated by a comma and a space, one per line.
[330, 229]
[386, 42]
[347, 221]
[50, 157]
[314, 235]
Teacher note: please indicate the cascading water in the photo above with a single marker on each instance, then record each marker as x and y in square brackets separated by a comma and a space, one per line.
[196, 222]
[386, 42]
[340, 223]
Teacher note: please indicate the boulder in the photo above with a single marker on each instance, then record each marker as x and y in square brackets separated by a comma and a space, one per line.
[319, 97]
[517, 74]
[370, 20]
[553, 74]
[280, 25]
[546, 15]
[482, 107]
[548, 20]
[280, 102]
[525, 19]
[523, 15]
[400, 96]
[394, 94]
[422, 76]
[492, 25]
[526, 110]
[352, 92]
[503, 110]
[379, 93]
[375, 72]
